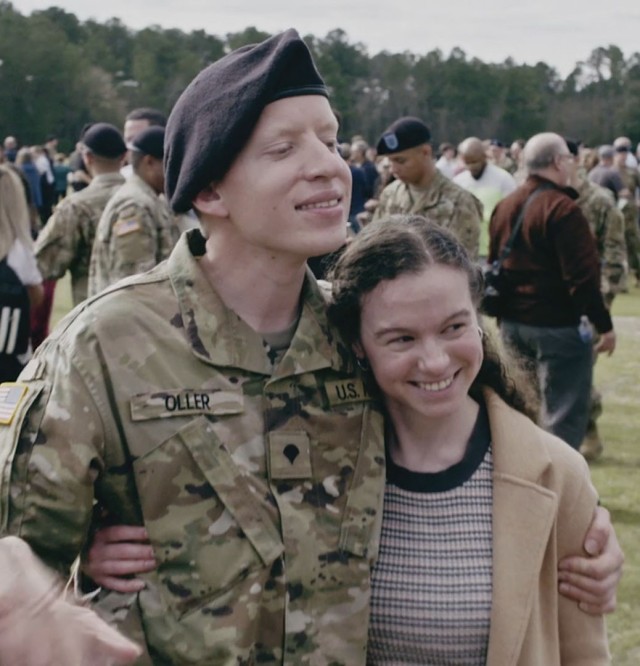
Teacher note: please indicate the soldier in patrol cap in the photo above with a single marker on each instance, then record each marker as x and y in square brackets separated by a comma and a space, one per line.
[208, 402]
[135, 232]
[65, 242]
[420, 189]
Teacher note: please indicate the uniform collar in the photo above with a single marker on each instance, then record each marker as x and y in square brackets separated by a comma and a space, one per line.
[218, 336]
[429, 195]
[137, 182]
[114, 177]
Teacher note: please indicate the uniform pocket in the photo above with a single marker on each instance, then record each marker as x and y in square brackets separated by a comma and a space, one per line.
[208, 530]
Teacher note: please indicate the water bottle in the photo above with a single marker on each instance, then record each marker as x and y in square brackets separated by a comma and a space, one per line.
[584, 330]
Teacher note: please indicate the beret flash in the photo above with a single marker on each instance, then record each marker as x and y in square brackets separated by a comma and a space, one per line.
[404, 133]
[213, 118]
[104, 140]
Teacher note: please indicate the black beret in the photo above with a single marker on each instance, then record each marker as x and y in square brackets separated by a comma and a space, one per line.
[214, 117]
[104, 140]
[404, 133]
[149, 142]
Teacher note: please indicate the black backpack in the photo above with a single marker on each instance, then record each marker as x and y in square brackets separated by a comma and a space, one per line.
[14, 322]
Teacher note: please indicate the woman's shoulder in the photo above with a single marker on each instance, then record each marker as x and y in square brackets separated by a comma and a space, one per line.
[524, 446]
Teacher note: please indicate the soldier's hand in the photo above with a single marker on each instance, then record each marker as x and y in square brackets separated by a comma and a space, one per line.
[607, 343]
[593, 581]
[116, 554]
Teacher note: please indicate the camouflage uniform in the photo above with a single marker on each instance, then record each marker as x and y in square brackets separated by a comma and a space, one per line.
[631, 180]
[608, 227]
[444, 202]
[135, 233]
[65, 242]
[260, 487]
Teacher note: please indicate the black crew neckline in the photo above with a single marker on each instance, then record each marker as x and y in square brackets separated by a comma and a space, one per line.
[452, 477]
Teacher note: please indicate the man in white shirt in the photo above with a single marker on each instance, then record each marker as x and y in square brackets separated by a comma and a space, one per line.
[488, 182]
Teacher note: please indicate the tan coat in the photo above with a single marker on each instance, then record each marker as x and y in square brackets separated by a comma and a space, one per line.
[543, 504]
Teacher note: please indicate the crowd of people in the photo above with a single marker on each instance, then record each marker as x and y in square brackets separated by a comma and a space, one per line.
[254, 466]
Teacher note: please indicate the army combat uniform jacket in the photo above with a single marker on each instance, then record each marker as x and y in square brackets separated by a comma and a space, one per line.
[607, 225]
[260, 487]
[445, 203]
[66, 241]
[135, 233]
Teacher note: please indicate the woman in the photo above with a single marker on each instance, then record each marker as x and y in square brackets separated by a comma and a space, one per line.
[20, 279]
[473, 486]
[480, 504]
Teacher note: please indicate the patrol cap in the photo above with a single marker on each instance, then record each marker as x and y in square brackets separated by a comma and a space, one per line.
[149, 142]
[214, 117]
[404, 133]
[622, 144]
[104, 140]
[606, 151]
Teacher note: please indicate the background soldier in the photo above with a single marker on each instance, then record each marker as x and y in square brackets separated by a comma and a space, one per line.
[607, 225]
[135, 232]
[420, 189]
[628, 204]
[66, 241]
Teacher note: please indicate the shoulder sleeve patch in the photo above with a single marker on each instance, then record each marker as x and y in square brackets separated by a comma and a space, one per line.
[126, 225]
[11, 396]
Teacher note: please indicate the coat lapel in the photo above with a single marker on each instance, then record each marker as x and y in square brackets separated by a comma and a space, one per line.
[523, 516]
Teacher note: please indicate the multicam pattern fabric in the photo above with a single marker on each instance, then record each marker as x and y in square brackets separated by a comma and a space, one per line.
[607, 225]
[65, 242]
[261, 488]
[135, 234]
[444, 202]
[629, 207]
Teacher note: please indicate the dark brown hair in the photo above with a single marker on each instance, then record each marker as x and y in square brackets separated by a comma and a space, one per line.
[404, 244]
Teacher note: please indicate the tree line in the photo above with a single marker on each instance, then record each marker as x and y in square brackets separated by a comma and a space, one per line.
[57, 73]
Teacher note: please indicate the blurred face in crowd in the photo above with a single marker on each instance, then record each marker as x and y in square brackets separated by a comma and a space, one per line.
[411, 166]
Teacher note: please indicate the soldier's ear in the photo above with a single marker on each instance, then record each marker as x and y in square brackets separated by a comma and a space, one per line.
[209, 202]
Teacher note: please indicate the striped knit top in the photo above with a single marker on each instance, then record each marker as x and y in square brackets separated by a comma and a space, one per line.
[431, 586]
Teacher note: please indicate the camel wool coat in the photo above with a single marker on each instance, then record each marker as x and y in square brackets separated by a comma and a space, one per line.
[543, 504]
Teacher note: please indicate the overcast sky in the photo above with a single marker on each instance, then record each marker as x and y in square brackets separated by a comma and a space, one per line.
[558, 32]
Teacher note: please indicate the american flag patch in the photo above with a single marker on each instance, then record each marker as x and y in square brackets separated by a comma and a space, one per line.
[10, 398]
[126, 226]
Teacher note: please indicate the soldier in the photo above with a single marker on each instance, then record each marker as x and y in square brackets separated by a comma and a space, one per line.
[240, 431]
[209, 400]
[420, 189]
[135, 232]
[65, 242]
[607, 225]
[628, 203]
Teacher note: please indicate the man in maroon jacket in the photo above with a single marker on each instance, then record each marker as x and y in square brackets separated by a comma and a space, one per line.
[553, 279]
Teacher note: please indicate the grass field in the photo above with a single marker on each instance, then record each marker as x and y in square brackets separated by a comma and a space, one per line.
[616, 475]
